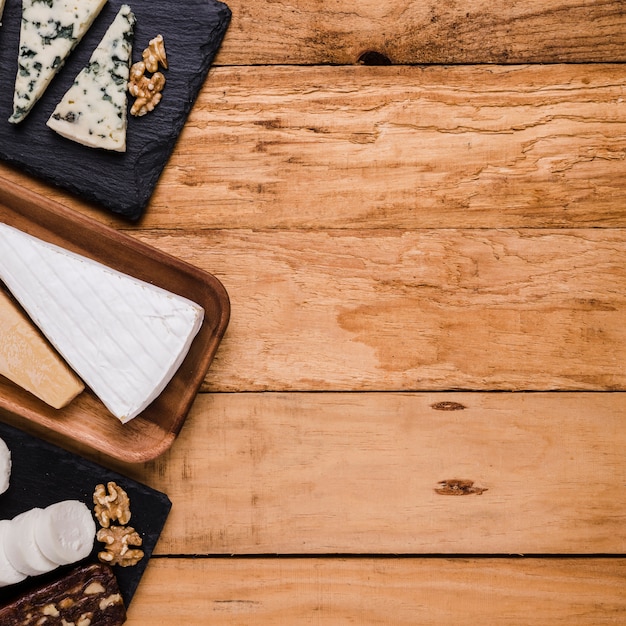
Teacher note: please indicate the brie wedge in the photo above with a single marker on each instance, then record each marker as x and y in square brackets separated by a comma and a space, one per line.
[93, 110]
[50, 30]
[125, 338]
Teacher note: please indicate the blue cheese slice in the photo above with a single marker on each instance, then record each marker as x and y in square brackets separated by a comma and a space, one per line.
[50, 30]
[125, 338]
[93, 111]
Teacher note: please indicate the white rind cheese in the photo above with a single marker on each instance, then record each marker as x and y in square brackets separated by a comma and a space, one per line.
[21, 547]
[66, 532]
[8, 574]
[93, 111]
[125, 338]
[50, 30]
[5, 466]
[38, 541]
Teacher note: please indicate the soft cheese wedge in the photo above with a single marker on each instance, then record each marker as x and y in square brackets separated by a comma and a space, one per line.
[50, 30]
[93, 110]
[28, 360]
[125, 338]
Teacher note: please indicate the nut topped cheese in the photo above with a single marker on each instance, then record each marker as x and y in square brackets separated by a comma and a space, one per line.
[50, 30]
[124, 337]
[93, 110]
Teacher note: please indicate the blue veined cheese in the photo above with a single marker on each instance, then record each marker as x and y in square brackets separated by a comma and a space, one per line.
[125, 338]
[50, 30]
[93, 111]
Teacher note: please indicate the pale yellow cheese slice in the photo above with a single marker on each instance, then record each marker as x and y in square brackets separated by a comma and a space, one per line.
[27, 359]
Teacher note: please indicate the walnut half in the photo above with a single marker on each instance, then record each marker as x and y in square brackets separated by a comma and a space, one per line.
[118, 541]
[111, 504]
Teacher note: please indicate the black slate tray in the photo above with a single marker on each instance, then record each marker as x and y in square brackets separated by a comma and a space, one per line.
[120, 182]
[43, 474]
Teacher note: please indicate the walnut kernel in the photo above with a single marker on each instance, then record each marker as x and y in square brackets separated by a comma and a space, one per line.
[111, 504]
[147, 90]
[118, 541]
[154, 54]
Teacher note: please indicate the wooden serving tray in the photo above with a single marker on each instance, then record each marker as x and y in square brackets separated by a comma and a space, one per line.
[86, 419]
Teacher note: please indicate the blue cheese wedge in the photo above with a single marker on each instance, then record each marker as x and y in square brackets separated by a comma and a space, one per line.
[50, 30]
[93, 111]
[124, 338]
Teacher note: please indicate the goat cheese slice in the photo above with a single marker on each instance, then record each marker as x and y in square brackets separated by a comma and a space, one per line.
[8, 574]
[5, 466]
[125, 338]
[93, 111]
[50, 30]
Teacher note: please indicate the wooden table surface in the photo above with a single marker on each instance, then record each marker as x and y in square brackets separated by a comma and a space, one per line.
[417, 414]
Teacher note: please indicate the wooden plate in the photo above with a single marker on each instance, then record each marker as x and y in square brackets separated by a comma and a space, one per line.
[86, 419]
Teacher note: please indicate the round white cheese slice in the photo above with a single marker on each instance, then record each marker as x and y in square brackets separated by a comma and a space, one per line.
[66, 532]
[8, 574]
[5, 466]
[21, 548]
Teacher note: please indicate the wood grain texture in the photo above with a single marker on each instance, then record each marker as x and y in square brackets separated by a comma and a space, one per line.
[415, 310]
[474, 31]
[408, 147]
[565, 592]
[360, 473]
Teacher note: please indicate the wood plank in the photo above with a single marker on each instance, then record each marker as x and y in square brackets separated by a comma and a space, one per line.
[408, 147]
[382, 591]
[418, 310]
[474, 31]
[362, 473]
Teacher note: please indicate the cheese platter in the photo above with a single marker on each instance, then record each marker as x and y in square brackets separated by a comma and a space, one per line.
[86, 418]
[119, 181]
[43, 474]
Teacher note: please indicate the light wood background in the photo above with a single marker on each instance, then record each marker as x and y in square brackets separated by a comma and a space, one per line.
[417, 415]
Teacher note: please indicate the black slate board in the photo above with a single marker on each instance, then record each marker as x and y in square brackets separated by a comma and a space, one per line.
[120, 182]
[43, 474]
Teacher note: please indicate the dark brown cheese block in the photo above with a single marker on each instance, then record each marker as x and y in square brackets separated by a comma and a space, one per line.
[86, 596]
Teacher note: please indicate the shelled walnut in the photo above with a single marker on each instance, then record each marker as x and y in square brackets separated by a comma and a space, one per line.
[147, 90]
[154, 55]
[111, 504]
[118, 541]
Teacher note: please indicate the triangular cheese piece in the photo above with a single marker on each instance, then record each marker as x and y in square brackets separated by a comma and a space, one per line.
[124, 337]
[50, 30]
[93, 111]
[27, 359]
